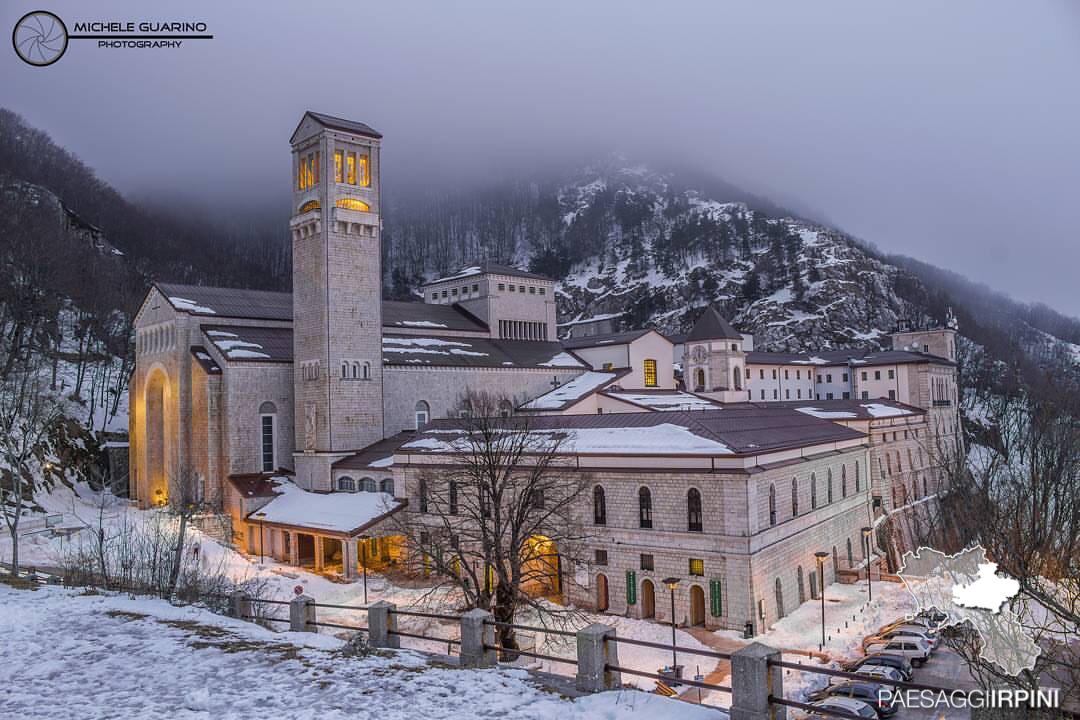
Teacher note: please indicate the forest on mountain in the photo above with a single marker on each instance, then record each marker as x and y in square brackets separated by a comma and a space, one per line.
[649, 247]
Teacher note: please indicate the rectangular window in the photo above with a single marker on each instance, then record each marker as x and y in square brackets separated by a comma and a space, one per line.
[774, 374]
[601, 557]
[828, 377]
[761, 374]
[268, 443]
[476, 287]
[819, 378]
[828, 396]
[774, 396]
[631, 587]
[892, 374]
[865, 395]
[798, 393]
[697, 567]
[650, 373]
[541, 291]
[864, 376]
[847, 396]
[787, 393]
[877, 374]
[350, 168]
[892, 394]
[362, 167]
[513, 288]
[762, 393]
[339, 158]
[786, 377]
[716, 603]
[845, 377]
[532, 290]
[502, 286]
[646, 562]
[521, 288]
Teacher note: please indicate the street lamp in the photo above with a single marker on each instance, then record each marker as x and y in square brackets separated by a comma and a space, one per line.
[820, 557]
[866, 552]
[671, 582]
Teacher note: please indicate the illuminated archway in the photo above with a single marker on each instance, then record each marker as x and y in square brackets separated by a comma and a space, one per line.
[155, 417]
[540, 566]
[310, 206]
[349, 203]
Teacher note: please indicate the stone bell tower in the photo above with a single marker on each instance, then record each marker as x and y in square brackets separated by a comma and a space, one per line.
[337, 300]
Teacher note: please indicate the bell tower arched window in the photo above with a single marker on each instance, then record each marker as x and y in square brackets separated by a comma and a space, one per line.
[693, 510]
[267, 421]
[644, 508]
[423, 414]
[772, 504]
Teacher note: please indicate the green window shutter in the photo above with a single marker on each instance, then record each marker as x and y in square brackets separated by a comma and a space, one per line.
[631, 587]
[716, 603]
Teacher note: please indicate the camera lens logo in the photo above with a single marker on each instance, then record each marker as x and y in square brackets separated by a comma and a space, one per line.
[40, 38]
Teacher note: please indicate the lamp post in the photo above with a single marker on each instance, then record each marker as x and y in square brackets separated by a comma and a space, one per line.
[866, 531]
[820, 557]
[671, 582]
[363, 564]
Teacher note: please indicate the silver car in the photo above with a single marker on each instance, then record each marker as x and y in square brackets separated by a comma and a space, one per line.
[916, 650]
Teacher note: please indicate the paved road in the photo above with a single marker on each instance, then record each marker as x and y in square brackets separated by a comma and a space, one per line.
[944, 669]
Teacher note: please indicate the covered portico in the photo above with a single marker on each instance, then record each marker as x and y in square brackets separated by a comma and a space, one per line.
[329, 533]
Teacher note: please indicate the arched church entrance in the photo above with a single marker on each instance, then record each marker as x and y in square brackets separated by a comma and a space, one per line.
[541, 567]
[601, 593]
[154, 412]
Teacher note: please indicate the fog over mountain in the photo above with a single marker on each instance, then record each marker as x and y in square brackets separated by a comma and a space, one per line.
[943, 131]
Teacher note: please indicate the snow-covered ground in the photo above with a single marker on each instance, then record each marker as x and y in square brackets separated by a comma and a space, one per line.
[66, 654]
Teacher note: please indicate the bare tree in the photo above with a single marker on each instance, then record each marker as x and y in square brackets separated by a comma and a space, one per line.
[498, 521]
[1018, 496]
[28, 417]
[185, 502]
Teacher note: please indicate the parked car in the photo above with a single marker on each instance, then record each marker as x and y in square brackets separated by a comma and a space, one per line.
[916, 621]
[873, 694]
[850, 705]
[933, 615]
[896, 662]
[930, 638]
[870, 670]
[914, 649]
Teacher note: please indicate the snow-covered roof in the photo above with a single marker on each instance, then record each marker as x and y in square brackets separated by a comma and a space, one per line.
[666, 400]
[571, 391]
[489, 269]
[846, 356]
[250, 342]
[344, 513]
[743, 429]
[457, 351]
[855, 409]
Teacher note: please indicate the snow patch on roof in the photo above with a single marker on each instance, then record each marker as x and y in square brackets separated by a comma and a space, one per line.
[563, 359]
[675, 400]
[827, 414]
[878, 410]
[191, 306]
[422, 323]
[579, 387]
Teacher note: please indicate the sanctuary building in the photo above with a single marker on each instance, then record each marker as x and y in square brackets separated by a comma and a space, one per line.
[309, 417]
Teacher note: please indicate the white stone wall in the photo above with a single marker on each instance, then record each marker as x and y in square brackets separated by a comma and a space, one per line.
[780, 382]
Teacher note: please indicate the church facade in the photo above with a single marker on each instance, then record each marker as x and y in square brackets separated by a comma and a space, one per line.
[293, 412]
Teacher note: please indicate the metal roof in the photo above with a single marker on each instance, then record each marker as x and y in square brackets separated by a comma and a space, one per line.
[337, 123]
[490, 269]
[251, 343]
[712, 326]
[456, 351]
[208, 302]
[849, 356]
[362, 459]
[425, 316]
[619, 338]
[747, 429]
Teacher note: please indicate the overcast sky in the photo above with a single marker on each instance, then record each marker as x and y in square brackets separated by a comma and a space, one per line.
[948, 130]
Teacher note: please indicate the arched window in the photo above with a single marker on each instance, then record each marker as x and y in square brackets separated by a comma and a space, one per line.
[699, 380]
[888, 462]
[452, 497]
[772, 504]
[365, 370]
[505, 408]
[794, 498]
[850, 556]
[386, 485]
[693, 510]
[267, 420]
[348, 203]
[856, 476]
[802, 585]
[644, 498]
[356, 371]
[828, 488]
[346, 484]
[925, 490]
[599, 502]
[843, 481]
[344, 370]
[737, 377]
[421, 490]
[310, 206]
[423, 414]
[910, 462]
[367, 485]
[813, 491]
[835, 561]
[779, 599]
[899, 465]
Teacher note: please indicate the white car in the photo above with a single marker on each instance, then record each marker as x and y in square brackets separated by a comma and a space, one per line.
[916, 650]
[870, 670]
[850, 705]
[901, 634]
[930, 636]
[917, 621]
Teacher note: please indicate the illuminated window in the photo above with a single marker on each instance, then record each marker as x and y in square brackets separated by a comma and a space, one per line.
[365, 177]
[349, 203]
[309, 206]
[650, 373]
[697, 566]
[350, 168]
[338, 158]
